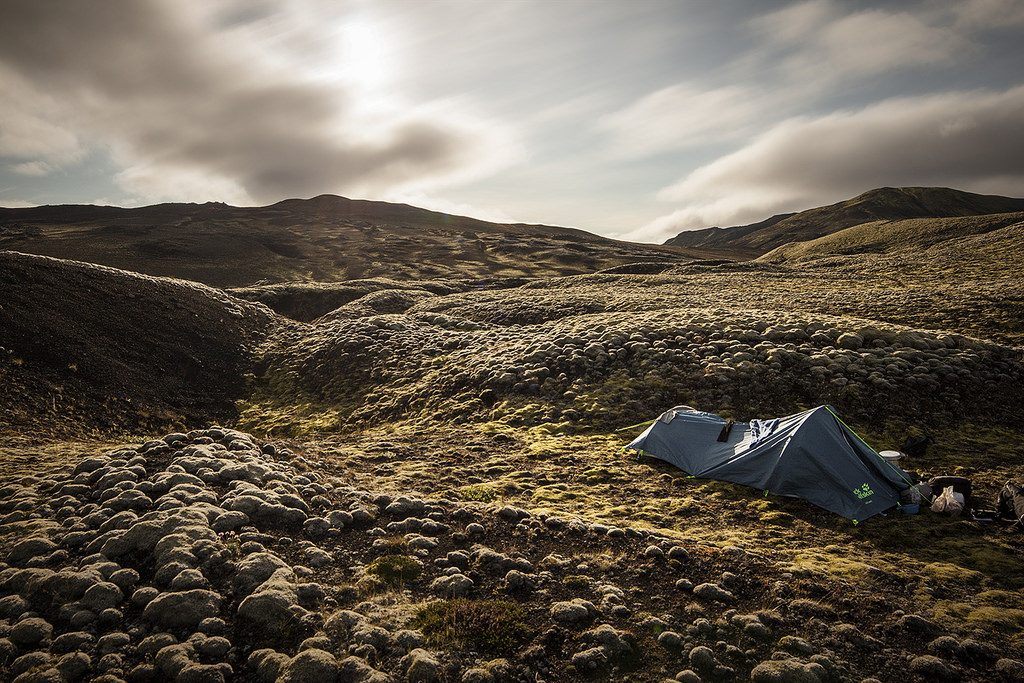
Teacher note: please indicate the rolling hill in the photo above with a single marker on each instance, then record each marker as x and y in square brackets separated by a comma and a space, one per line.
[911, 237]
[87, 347]
[323, 239]
[886, 203]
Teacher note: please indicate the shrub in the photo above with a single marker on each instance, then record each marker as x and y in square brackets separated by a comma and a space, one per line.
[496, 626]
[395, 570]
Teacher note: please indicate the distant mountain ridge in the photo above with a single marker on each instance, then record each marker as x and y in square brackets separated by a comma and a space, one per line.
[323, 239]
[886, 203]
[716, 237]
[325, 205]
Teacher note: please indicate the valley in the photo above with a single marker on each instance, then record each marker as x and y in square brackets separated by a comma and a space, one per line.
[397, 436]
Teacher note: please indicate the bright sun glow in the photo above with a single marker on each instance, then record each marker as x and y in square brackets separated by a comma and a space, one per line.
[366, 61]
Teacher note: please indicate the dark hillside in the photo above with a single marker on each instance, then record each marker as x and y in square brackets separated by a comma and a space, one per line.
[323, 239]
[886, 203]
[87, 347]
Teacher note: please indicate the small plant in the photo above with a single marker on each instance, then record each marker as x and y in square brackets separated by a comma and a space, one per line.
[395, 570]
[391, 546]
[495, 626]
[576, 581]
[483, 493]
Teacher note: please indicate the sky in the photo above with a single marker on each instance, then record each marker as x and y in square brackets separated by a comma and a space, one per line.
[633, 119]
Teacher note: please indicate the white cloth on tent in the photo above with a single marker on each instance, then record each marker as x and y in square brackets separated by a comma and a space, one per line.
[759, 429]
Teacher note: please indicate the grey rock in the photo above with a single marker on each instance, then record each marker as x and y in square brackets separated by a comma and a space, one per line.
[573, 612]
[931, 668]
[274, 605]
[29, 548]
[714, 593]
[142, 596]
[311, 665]
[254, 570]
[455, 585]
[782, 671]
[1010, 670]
[69, 642]
[670, 640]
[795, 645]
[112, 642]
[183, 609]
[267, 665]
[31, 632]
[420, 667]
[589, 660]
[73, 666]
[702, 658]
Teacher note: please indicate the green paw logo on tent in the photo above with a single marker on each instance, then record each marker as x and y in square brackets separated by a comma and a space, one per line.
[864, 491]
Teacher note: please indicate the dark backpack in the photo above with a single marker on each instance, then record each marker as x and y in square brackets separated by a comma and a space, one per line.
[916, 446]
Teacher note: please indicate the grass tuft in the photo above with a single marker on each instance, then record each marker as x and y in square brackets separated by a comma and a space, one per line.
[395, 570]
[494, 626]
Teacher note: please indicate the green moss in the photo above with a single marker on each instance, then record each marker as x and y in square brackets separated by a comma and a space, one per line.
[554, 493]
[484, 493]
[952, 573]
[831, 563]
[395, 570]
[272, 418]
[998, 618]
[777, 518]
[394, 545]
[1000, 598]
[493, 626]
[576, 581]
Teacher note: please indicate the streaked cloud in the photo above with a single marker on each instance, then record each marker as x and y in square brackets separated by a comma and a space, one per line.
[822, 39]
[972, 140]
[684, 115]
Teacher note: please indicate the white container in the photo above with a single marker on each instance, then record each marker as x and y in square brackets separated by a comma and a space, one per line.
[891, 457]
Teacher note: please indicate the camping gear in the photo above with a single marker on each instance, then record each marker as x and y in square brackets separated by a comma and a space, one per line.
[910, 508]
[891, 457]
[984, 517]
[949, 502]
[917, 446]
[916, 494]
[723, 435]
[1010, 503]
[961, 485]
[811, 455]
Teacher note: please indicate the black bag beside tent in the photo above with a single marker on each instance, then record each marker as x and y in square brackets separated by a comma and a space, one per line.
[916, 446]
[1010, 503]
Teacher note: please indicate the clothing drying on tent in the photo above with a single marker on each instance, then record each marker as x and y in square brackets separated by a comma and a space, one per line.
[811, 455]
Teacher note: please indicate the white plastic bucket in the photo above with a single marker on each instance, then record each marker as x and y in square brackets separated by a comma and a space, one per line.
[891, 457]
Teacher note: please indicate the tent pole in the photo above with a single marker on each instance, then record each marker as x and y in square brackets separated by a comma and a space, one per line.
[638, 424]
[900, 472]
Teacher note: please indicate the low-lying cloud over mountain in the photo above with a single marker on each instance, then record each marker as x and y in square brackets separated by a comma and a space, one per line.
[971, 139]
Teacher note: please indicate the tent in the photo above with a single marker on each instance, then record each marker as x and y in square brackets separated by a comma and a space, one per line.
[811, 455]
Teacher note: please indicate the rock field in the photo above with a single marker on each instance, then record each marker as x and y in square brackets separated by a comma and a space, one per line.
[613, 349]
[211, 556]
[420, 474]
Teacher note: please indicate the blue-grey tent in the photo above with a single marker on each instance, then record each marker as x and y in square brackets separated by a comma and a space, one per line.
[811, 455]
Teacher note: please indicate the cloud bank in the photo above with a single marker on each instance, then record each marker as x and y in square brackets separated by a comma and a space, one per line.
[972, 140]
[189, 108]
